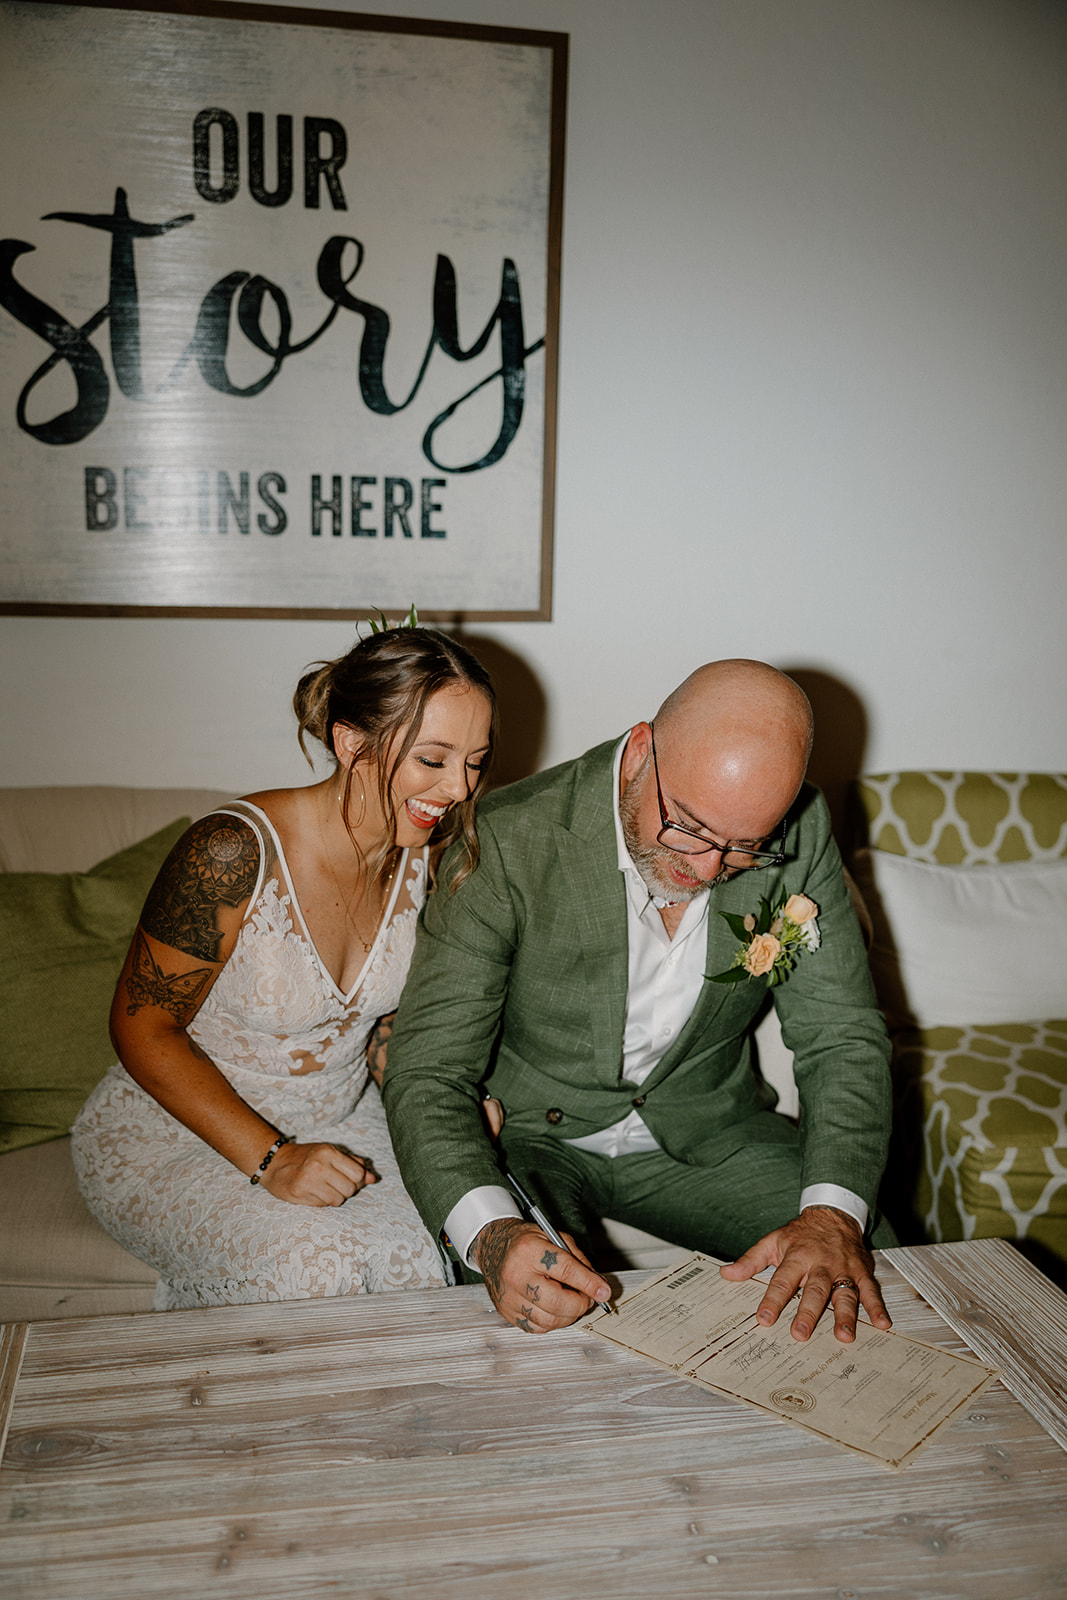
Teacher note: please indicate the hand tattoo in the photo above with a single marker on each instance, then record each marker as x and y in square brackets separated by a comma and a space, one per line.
[491, 1249]
[524, 1322]
[549, 1259]
[214, 864]
[532, 1292]
[176, 992]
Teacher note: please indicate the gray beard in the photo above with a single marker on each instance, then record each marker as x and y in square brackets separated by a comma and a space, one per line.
[651, 859]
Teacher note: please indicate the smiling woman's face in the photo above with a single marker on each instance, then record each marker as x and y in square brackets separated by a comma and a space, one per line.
[443, 764]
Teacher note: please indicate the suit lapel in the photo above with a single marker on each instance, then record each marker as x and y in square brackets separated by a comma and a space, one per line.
[589, 868]
[590, 872]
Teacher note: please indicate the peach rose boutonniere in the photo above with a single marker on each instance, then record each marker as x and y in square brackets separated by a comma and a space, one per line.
[772, 939]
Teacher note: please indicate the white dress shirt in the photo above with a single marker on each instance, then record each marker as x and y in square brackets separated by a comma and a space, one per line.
[664, 978]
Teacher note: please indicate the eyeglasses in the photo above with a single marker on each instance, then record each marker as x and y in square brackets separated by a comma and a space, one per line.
[680, 839]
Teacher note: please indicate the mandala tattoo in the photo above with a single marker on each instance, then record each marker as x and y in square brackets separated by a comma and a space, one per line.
[213, 865]
[376, 1046]
[176, 992]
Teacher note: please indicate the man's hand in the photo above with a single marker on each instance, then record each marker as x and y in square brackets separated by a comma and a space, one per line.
[821, 1252]
[315, 1175]
[533, 1284]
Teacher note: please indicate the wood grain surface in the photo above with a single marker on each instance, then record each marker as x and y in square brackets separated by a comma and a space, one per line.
[414, 1445]
[12, 1348]
[1010, 1316]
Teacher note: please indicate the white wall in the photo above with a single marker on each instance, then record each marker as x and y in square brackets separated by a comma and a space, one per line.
[812, 407]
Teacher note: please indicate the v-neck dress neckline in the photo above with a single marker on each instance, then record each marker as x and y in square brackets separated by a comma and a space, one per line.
[347, 995]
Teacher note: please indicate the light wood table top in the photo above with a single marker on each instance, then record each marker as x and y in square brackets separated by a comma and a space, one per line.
[415, 1445]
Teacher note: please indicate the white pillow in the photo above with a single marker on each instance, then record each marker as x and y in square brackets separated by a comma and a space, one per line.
[967, 945]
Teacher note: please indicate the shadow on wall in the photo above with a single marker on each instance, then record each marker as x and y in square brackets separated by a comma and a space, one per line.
[522, 709]
[840, 745]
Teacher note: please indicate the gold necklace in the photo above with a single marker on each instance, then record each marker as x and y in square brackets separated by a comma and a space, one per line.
[346, 900]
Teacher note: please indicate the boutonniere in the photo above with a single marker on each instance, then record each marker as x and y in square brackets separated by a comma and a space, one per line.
[771, 939]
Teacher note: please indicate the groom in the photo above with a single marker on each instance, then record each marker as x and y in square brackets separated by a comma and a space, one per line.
[568, 977]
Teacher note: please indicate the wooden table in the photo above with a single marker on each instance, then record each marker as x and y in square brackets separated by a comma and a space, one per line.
[413, 1444]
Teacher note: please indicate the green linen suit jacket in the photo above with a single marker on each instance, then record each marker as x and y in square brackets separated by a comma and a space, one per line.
[519, 981]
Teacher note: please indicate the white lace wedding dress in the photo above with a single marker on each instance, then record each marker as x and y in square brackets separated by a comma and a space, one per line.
[293, 1046]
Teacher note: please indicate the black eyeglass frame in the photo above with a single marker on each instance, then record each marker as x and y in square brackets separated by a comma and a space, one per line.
[764, 858]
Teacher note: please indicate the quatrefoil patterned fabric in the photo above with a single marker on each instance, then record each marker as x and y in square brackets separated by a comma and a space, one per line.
[967, 819]
[991, 1104]
[981, 1119]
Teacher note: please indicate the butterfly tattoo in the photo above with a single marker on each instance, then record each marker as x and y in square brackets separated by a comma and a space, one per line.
[176, 992]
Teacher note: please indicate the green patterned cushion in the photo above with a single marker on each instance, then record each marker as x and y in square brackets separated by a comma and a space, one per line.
[967, 818]
[991, 1104]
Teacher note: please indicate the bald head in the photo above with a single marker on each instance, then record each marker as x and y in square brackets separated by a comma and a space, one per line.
[742, 731]
[730, 752]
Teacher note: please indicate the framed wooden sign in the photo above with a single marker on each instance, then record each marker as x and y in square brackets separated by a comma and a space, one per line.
[279, 296]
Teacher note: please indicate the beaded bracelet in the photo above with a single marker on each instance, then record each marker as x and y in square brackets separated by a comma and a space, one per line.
[283, 1138]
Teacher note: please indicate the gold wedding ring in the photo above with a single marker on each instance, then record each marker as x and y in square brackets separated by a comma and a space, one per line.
[843, 1283]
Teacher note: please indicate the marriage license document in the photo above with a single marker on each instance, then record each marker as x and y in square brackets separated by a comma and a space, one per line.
[883, 1395]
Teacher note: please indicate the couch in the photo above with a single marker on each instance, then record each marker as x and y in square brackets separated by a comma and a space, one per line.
[75, 866]
[965, 877]
[77, 863]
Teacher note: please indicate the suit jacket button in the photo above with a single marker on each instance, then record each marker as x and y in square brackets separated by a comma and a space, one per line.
[639, 1101]
[554, 1115]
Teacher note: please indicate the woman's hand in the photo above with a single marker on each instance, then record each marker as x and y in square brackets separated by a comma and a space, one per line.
[315, 1175]
[492, 1116]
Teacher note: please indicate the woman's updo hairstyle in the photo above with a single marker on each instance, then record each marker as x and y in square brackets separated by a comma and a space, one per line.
[382, 686]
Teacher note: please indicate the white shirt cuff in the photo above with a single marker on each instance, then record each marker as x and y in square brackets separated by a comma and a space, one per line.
[469, 1216]
[831, 1194]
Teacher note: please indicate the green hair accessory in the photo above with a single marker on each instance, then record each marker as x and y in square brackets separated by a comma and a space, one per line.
[382, 625]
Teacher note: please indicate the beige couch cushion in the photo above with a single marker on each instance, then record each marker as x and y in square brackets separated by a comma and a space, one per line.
[70, 830]
[55, 1259]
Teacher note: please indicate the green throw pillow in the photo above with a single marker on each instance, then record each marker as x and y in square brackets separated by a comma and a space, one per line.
[63, 939]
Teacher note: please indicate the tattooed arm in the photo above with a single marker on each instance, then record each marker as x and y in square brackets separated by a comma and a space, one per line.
[187, 933]
[376, 1046]
[531, 1283]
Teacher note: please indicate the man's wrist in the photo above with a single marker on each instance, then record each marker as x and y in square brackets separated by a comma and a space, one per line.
[838, 1198]
[470, 1214]
[494, 1238]
[490, 1252]
[846, 1216]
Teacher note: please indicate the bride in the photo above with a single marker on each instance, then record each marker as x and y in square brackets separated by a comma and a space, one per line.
[237, 1145]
